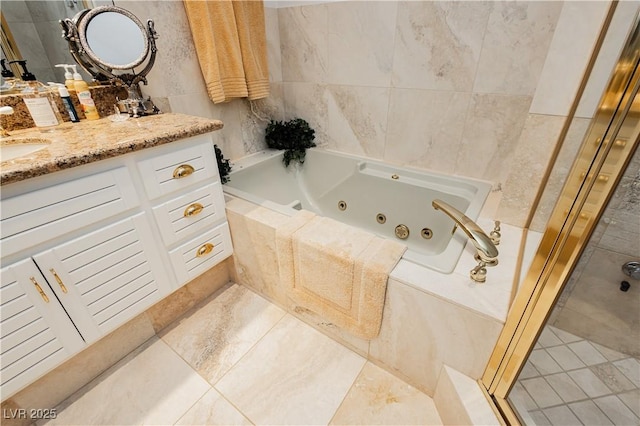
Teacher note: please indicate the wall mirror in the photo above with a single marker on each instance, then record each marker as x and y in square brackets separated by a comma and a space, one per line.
[109, 42]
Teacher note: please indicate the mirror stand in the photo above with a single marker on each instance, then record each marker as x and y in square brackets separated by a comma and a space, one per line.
[99, 51]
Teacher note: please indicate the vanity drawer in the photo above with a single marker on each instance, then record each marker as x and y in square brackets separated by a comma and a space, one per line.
[201, 253]
[178, 169]
[38, 216]
[185, 215]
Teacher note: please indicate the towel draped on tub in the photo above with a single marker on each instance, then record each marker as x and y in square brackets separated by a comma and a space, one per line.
[230, 42]
[337, 271]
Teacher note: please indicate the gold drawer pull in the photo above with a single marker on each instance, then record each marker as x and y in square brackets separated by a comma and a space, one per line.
[60, 283]
[183, 170]
[44, 296]
[204, 250]
[193, 209]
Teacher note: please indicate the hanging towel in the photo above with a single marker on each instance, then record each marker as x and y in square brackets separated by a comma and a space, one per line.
[230, 42]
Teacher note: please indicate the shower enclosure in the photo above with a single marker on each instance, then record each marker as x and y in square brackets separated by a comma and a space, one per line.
[569, 350]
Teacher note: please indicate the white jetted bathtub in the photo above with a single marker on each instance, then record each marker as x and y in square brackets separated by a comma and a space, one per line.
[380, 198]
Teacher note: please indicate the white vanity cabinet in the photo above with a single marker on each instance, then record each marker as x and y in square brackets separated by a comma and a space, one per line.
[88, 249]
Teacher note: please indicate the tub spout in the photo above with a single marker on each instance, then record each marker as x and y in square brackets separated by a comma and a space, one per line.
[487, 253]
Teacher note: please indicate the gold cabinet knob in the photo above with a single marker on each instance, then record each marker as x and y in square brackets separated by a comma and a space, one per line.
[183, 170]
[35, 283]
[193, 209]
[204, 250]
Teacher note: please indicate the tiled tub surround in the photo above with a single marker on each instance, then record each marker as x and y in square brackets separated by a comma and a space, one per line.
[430, 319]
[477, 89]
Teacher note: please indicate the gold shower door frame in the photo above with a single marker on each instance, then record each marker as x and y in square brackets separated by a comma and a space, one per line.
[607, 148]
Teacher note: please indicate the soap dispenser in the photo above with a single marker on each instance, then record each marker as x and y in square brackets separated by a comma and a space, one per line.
[69, 82]
[84, 96]
[39, 101]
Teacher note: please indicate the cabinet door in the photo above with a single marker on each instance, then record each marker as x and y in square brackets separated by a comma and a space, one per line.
[35, 333]
[106, 277]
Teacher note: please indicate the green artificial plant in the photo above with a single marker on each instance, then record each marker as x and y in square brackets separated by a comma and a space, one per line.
[294, 136]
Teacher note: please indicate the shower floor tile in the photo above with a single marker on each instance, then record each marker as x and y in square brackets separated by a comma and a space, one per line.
[579, 382]
[237, 359]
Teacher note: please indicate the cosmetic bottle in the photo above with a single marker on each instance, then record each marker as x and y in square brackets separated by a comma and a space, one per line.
[84, 95]
[66, 101]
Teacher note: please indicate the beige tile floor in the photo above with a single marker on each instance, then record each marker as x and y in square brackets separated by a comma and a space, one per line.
[572, 381]
[237, 359]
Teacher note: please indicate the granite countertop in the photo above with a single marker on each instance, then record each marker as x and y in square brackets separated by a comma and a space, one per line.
[75, 144]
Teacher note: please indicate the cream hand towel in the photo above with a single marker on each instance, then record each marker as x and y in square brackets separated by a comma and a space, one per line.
[340, 273]
[230, 42]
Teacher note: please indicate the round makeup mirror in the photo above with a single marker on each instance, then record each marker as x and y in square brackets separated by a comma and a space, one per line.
[113, 37]
[109, 42]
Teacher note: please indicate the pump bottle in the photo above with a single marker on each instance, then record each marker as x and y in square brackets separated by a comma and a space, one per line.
[69, 82]
[84, 96]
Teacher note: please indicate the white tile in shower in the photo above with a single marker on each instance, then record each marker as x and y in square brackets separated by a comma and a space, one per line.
[616, 410]
[589, 413]
[548, 338]
[630, 367]
[528, 371]
[631, 400]
[541, 392]
[609, 354]
[612, 377]
[565, 336]
[587, 353]
[565, 358]
[539, 418]
[589, 382]
[561, 415]
[520, 398]
[543, 362]
[568, 390]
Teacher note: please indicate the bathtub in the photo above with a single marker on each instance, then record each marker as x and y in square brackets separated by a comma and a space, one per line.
[368, 194]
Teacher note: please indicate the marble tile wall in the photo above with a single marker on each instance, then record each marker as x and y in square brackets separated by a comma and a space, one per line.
[445, 86]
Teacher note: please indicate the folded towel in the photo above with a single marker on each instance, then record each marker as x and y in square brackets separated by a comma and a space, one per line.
[230, 42]
[339, 272]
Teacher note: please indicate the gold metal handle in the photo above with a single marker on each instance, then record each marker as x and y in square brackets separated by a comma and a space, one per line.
[183, 170]
[44, 296]
[60, 283]
[193, 209]
[204, 250]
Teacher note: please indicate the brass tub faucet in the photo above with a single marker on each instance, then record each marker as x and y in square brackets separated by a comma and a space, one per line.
[486, 251]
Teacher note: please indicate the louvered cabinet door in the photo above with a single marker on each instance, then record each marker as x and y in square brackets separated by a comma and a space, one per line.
[106, 277]
[35, 333]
